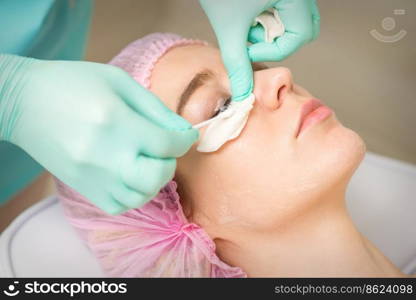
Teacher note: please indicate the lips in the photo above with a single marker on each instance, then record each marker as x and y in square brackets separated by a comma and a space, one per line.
[312, 112]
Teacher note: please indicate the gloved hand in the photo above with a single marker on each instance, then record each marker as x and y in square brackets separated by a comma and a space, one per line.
[93, 127]
[232, 21]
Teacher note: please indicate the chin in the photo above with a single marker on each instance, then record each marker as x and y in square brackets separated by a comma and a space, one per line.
[341, 152]
[347, 150]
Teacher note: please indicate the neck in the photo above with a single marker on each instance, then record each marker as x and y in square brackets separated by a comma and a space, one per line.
[322, 243]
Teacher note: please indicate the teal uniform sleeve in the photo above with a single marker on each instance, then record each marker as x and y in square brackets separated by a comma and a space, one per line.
[44, 29]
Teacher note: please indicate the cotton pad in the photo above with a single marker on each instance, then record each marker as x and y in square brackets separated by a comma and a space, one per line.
[225, 126]
[273, 26]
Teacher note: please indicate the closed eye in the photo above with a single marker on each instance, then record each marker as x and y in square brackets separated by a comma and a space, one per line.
[224, 106]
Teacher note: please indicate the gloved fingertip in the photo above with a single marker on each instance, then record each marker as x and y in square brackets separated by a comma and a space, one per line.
[242, 97]
[191, 137]
[176, 122]
[180, 142]
[262, 52]
[242, 89]
[114, 212]
[194, 134]
[114, 208]
[316, 29]
[256, 34]
[191, 134]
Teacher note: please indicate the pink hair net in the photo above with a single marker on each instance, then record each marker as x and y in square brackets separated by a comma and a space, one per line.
[155, 240]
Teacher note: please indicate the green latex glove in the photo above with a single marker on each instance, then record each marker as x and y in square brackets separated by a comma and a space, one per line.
[93, 127]
[232, 22]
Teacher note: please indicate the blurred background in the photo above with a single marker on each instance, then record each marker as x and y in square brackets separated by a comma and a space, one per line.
[369, 83]
[363, 66]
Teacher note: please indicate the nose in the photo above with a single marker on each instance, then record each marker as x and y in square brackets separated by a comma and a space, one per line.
[271, 86]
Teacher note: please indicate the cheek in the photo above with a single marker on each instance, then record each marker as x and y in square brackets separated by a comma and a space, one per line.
[238, 184]
[259, 154]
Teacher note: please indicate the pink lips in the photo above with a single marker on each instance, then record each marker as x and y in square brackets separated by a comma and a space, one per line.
[312, 112]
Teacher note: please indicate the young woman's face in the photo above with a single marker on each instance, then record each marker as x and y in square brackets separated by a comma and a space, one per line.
[271, 171]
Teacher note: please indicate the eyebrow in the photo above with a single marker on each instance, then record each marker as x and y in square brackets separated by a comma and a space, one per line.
[199, 80]
[202, 78]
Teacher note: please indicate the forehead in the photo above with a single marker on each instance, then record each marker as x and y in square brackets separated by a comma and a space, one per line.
[178, 66]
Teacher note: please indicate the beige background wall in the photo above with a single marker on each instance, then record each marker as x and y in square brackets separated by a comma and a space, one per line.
[370, 84]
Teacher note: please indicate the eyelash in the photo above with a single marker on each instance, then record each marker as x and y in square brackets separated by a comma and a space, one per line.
[222, 108]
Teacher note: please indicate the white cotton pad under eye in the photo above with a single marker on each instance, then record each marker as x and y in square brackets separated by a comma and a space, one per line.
[226, 126]
[273, 26]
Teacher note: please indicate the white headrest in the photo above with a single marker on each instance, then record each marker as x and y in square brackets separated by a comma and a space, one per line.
[41, 243]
